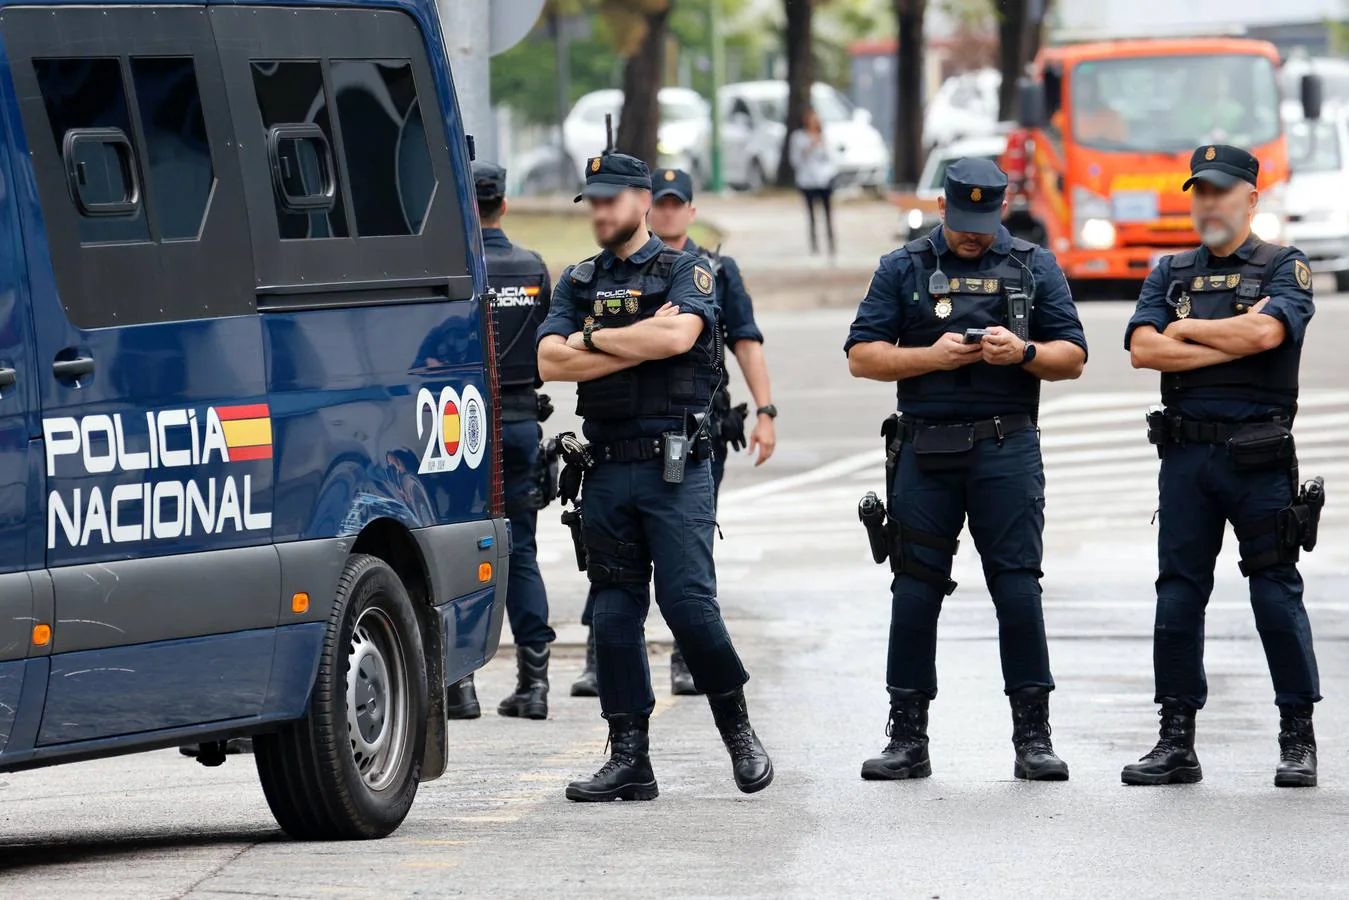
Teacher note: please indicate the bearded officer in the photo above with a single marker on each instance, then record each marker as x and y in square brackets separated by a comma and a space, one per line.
[967, 443]
[1224, 324]
[635, 326]
[672, 214]
[522, 285]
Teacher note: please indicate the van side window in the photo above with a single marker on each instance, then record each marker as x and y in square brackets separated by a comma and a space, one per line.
[86, 97]
[177, 153]
[290, 93]
[389, 165]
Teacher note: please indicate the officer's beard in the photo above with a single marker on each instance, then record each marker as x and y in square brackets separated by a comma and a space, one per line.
[620, 239]
[1216, 233]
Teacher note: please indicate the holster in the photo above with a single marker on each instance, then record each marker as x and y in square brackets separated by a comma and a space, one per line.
[550, 453]
[1295, 527]
[572, 519]
[1159, 431]
[545, 407]
[871, 513]
[888, 540]
[578, 461]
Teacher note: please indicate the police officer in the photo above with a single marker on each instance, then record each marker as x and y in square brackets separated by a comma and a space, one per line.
[1224, 325]
[635, 326]
[522, 285]
[672, 212]
[966, 442]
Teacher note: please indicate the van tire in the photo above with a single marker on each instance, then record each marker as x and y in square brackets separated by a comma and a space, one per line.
[322, 784]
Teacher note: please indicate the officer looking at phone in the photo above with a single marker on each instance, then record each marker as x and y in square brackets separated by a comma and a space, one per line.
[967, 321]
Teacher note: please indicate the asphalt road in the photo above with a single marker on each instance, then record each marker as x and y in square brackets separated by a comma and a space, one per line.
[808, 612]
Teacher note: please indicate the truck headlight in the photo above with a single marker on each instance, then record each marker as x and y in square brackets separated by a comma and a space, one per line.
[1096, 234]
[1267, 226]
[915, 219]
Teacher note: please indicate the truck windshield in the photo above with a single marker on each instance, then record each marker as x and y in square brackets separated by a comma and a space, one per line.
[1313, 147]
[1172, 104]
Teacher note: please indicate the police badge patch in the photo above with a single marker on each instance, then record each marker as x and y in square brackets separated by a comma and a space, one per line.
[599, 307]
[702, 280]
[1183, 307]
[943, 309]
[1304, 275]
[631, 305]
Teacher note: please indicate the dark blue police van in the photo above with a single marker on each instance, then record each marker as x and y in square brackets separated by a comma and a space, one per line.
[250, 480]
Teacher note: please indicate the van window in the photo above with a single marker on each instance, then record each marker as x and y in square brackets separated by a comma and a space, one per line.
[377, 100]
[178, 155]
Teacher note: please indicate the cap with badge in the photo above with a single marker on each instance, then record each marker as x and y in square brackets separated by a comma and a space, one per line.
[975, 189]
[1222, 166]
[672, 183]
[489, 181]
[612, 174]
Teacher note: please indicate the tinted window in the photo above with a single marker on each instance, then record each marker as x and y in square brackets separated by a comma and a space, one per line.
[291, 93]
[177, 152]
[88, 93]
[384, 143]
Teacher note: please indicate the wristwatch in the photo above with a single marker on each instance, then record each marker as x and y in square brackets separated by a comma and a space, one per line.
[1029, 355]
[770, 410]
[588, 333]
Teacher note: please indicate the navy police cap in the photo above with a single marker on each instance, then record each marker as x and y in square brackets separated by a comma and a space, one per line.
[975, 189]
[672, 183]
[613, 173]
[489, 181]
[1222, 166]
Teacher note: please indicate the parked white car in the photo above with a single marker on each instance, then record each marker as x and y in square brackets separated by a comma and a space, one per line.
[922, 216]
[1315, 203]
[965, 106]
[684, 140]
[753, 116]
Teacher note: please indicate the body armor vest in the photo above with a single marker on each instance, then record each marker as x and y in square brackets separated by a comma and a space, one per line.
[657, 388]
[977, 300]
[1201, 293]
[517, 275]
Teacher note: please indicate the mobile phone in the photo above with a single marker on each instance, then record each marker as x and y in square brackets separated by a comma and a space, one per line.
[975, 335]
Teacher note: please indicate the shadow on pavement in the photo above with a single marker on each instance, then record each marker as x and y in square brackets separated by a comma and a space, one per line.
[62, 848]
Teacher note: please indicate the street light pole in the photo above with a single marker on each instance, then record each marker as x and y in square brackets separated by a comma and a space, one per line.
[718, 77]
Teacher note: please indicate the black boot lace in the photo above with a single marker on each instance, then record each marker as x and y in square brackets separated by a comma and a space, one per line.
[904, 728]
[1296, 744]
[1033, 730]
[1171, 736]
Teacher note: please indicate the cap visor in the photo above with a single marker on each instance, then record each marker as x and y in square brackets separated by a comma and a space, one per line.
[672, 192]
[958, 219]
[1214, 177]
[601, 190]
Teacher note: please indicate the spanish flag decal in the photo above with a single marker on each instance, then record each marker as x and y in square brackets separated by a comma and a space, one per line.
[451, 430]
[248, 431]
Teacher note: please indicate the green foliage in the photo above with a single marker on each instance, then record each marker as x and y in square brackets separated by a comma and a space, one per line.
[525, 77]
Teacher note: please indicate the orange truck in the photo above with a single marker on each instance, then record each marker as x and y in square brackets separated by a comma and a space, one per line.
[1107, 130]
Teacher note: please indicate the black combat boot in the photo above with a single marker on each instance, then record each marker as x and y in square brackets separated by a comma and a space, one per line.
[530, 700]
[906, 754]
[749, 761]
[1297, 748]
[681, 679]
[461, 700]
[1173, 760]
[586, 685]
[1035, 756]
[627, 775]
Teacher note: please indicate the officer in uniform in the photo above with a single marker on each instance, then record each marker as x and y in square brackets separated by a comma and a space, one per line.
[966, 442]
[522, 285]
[672, 213]
[636, 327]
[1224, 325]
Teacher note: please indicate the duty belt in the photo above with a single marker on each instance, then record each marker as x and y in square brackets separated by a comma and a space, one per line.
[997, 427]
[1194, 431]
[643, 449]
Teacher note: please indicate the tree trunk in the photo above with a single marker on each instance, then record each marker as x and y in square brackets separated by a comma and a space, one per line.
[1013, 45]
[643, 75]
[800, 78]
[908, 137]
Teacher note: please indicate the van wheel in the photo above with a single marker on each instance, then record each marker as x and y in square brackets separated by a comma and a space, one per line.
[350, 768]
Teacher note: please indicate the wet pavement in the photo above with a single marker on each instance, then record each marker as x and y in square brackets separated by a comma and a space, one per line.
[809, 613]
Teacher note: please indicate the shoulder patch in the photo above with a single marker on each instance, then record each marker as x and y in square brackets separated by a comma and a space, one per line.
[702, 280]
[1303, 273]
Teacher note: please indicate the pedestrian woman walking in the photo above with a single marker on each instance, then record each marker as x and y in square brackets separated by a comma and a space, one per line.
[815, 173]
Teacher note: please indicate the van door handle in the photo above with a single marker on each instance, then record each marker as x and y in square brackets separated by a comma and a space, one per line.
[73, 369]
[8, 377]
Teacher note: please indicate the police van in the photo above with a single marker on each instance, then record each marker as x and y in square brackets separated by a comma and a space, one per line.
[250, 480]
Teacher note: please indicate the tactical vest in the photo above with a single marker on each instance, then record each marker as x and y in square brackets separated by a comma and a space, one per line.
[517, 276]
[1200, 293]
[657, 388]
[976, 301]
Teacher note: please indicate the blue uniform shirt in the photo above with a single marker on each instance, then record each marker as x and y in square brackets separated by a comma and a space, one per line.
[737, 309]
[894, 289]
[1289, 302]
[565, 319]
